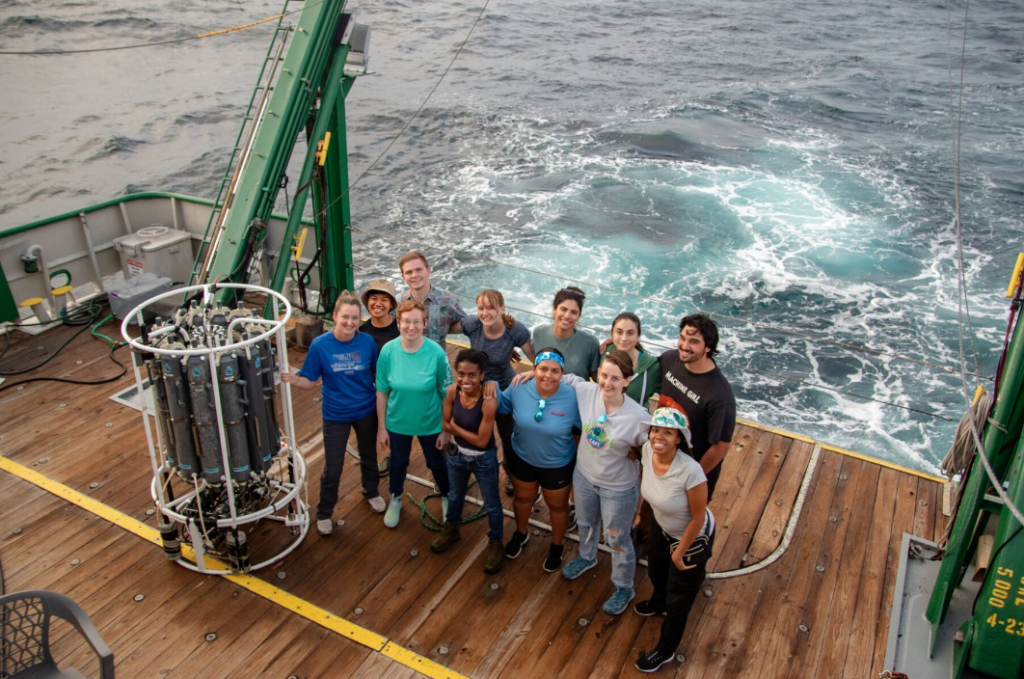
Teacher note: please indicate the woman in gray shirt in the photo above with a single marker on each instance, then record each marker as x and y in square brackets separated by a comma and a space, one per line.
[682, 533]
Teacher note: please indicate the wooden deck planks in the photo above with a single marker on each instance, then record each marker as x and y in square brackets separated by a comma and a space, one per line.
[529, 625]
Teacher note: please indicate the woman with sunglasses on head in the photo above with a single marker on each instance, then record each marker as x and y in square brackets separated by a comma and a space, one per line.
[580, 349]
[682, 534]
[606, 475]
[543, 451]
[413, 376]
[646, 378]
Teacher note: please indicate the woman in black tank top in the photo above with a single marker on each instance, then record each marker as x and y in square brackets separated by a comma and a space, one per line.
[469, 418]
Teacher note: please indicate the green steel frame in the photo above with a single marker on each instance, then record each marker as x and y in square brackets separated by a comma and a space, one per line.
[992, 641]
[312, 71]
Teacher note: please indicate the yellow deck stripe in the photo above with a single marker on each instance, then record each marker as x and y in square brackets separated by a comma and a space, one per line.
[260, 588]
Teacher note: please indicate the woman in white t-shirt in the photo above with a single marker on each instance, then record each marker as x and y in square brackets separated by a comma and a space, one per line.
[682, 534]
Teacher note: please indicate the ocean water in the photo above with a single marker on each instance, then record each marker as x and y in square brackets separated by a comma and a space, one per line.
[786, 165]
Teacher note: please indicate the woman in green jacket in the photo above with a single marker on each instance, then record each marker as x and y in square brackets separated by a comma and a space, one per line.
[646, 378]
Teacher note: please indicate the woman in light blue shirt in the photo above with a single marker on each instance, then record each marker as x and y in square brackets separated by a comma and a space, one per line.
[543, 450]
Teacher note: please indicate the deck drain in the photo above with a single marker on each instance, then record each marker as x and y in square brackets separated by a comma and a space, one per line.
[139, 597]
[150, 512]
[358, 610]
[16, 531]
[833, 519]
[75, 562]
[281, 575]
[680, 658]
[414, 552]
[44, 460]
[211, 636]
[708, 591]
[63, 405]
[443, 650]
[108, 425]
[583, 622]
[78, 363]
[802, 628]
[94, 485]
[340, 522]
[820, 569]
[495, 585]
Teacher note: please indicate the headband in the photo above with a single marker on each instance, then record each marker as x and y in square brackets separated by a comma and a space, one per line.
[549, 356]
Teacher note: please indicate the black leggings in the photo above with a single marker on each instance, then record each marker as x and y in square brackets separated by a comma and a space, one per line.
[335, 443]
[674, 589]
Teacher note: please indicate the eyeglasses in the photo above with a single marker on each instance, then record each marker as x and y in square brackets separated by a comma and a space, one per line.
[541, 405]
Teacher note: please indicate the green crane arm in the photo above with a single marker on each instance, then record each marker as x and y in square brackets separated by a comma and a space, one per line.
[305, 90]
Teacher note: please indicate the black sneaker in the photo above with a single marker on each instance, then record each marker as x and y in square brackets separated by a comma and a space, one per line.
[648, 608]
[653, 660]
[515, 544]
[554, 560]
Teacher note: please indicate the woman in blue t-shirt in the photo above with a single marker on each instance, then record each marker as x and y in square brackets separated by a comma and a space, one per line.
[344, 360]
[543, 450]
[497, 334]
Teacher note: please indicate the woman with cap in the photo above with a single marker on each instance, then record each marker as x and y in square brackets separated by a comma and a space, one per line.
[497, 335]
[605, 480]
[379, 300]
[413, 376]
[682, 533]
[543, 451]
[343, 360]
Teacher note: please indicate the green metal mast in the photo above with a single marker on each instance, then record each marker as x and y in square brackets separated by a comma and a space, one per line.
[304, 89]
[992, 640]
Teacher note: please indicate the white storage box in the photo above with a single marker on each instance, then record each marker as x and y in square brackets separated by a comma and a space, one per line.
[132, 292]
[158, 250]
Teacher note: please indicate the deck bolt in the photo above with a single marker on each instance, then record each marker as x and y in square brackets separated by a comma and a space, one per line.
[833, 519]
[75, 562]
[78, 363]
[535, 531]
[211, 636]
[150, 512]
[63, 405]
[94, 485]
[44, 460]
[708, 592]
[16, 531]
[140, 597]
[443, 650]
[680, 658]
[340, 522]
[281, 575]
[40, 348]
[21, 388]
[582, 622]
[843, 477]
[495, 586]
[820, 569]
[293, 676]
[108, 425]
[959, 636]
[802, 628]
[414, 552]
[358, 610]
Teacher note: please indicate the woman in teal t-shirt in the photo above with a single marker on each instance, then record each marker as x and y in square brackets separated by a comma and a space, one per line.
[412, 377]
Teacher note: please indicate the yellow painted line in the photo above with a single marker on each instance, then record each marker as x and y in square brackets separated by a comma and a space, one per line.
[772, 430]
[260, 588]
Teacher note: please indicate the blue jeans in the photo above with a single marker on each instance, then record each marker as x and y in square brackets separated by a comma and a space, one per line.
[401, 449]
[614, 509]
[485, 468]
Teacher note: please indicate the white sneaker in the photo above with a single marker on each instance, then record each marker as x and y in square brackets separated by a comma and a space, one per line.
[377, 504]
[324, 526]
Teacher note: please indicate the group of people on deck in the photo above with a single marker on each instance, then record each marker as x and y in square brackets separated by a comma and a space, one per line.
[575, 430]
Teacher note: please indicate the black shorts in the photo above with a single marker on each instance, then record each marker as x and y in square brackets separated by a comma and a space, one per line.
[549, 479]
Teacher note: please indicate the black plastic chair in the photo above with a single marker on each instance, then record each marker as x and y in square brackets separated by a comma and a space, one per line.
[25, 636]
